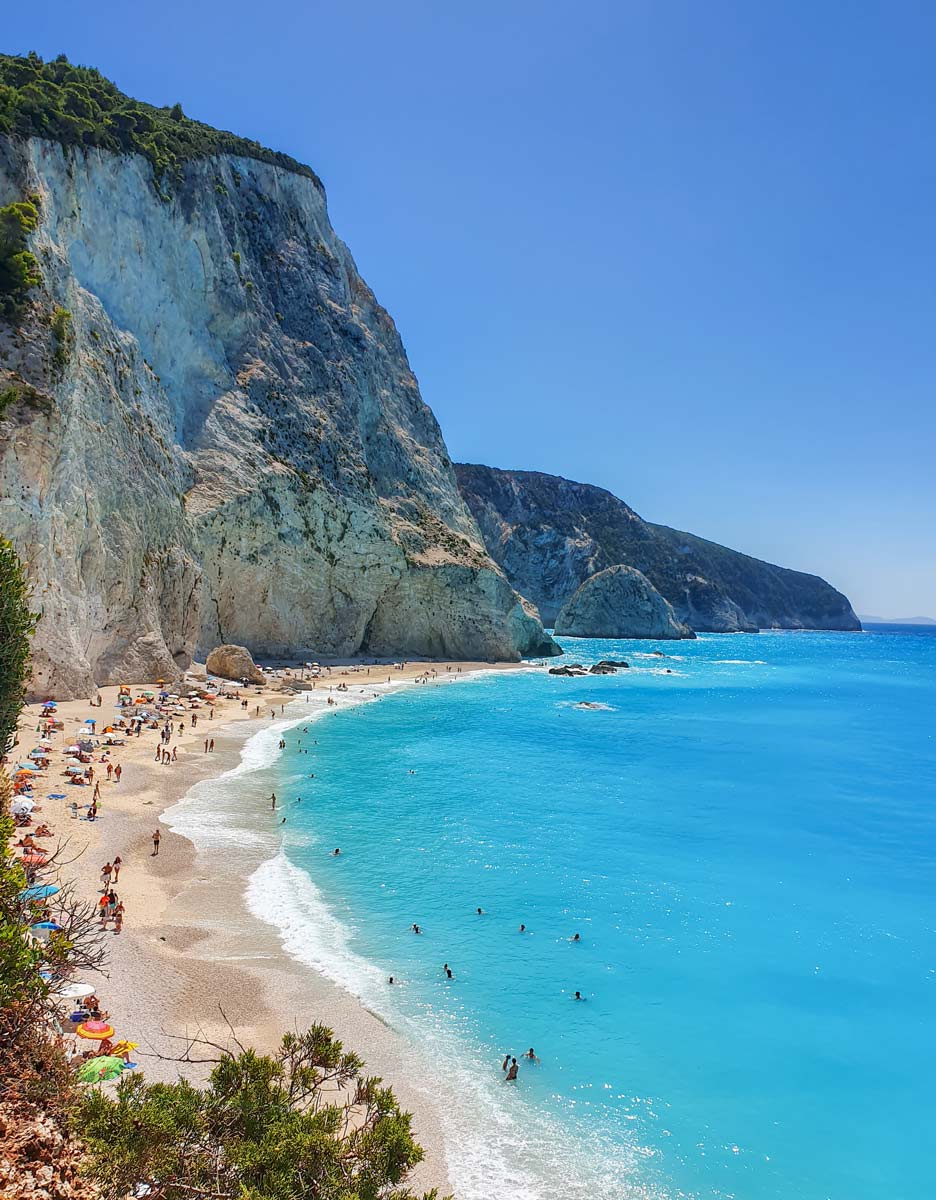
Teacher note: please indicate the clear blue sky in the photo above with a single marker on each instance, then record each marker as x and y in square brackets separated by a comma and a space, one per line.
[683, 250]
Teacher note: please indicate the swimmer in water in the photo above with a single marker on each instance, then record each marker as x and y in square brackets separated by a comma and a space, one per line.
[522, 929]
[575, 938]
[416, 929]
[578, 996]
[506, 1063]
[480, 912]
[335, 852]
[530, 1055]
[448, 973]
[390, 979]
[512, 1073]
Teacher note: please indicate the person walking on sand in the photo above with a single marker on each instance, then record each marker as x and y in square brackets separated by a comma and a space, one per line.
[211, 746]
[110, 771]
[117, 864]
[156, 836]
[206, 745]
[105, 876]
[118, 917]
[174, 755]
[118, 771]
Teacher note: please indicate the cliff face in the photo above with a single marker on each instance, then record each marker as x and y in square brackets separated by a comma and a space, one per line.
[619, 602]
[224, 441]
[550, 534]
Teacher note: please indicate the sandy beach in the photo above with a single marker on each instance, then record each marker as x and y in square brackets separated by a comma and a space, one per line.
[189, 946]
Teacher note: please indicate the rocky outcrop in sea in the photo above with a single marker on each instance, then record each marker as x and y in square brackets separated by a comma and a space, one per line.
[619, 602]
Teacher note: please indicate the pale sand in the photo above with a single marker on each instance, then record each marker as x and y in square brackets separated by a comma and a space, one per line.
[189, 944]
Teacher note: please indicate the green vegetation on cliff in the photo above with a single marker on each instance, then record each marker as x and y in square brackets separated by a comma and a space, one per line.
[77, 106]
[19, 270]
[17, 625]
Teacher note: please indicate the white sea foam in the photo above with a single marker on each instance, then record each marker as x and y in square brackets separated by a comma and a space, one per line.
[753, 662]
[496, 1142]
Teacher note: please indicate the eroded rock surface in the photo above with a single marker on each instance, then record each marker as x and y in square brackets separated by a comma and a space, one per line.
[229, 444]
[619, 602]
[234, 662]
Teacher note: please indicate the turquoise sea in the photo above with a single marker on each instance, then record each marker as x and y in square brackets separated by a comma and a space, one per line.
[744, 836]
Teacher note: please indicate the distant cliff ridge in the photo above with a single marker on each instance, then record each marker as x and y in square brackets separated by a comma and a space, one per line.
[551, 534]
[209, 431]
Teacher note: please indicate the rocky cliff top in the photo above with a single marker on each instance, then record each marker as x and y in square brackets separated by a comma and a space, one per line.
[78, 106]
[550, 534]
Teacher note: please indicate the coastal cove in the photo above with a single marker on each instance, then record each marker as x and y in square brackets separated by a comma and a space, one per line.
[754, 946]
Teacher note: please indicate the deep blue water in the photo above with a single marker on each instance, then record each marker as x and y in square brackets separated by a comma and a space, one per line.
[747, 848]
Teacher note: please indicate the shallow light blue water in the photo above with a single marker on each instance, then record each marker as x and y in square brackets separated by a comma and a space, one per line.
[747, 848]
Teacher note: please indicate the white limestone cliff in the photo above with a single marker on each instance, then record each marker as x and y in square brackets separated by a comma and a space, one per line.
[230, 446]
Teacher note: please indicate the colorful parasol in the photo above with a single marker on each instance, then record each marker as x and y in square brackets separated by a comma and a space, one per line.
[105, 1066]
[95, 1031]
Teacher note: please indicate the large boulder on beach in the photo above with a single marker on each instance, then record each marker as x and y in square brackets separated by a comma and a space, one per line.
[234, 662]
[619, 602]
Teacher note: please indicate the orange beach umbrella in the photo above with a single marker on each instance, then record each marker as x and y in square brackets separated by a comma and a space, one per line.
[95, 1031]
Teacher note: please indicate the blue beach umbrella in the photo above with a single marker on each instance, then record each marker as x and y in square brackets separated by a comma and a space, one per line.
[39, 891]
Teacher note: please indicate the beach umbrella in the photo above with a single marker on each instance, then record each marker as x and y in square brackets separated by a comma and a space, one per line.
[73, 991]
[105, 1066]
[95, 1031]
[74, 770]
[43, 929]
[39, 891]
[21, 807]
[73, 748]
[124, 1047]
[26, 769]
[90, 720]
